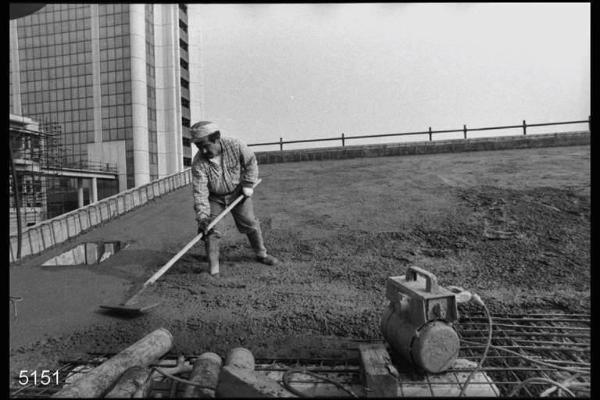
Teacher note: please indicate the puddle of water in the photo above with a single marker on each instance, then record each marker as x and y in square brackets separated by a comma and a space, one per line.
[89, 253]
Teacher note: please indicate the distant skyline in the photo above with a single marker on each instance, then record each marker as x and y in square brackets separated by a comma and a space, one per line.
[302, 71]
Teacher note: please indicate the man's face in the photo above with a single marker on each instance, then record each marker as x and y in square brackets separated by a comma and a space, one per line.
[207, 148]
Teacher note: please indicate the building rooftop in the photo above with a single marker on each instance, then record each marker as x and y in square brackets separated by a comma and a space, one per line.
[511, 225]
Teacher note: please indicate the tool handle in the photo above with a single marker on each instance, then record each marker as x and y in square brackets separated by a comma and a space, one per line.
[430, 279]
[195, 240]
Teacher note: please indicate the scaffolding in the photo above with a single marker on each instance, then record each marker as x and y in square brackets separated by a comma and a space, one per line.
[32, 149]
[38, 161]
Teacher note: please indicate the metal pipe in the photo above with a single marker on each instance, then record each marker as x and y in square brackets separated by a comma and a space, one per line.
[17, 200]
[559, 348]
[530, 334]
[429, 132]
[533, 320]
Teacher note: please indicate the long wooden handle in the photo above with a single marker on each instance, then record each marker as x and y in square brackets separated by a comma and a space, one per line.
[195, 240]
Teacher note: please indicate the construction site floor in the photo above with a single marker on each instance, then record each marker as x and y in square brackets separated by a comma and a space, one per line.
[513, 226]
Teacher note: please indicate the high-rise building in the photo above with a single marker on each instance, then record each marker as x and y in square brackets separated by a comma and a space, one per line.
[114, 77]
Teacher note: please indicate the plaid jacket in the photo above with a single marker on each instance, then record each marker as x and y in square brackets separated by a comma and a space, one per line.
[238, 166]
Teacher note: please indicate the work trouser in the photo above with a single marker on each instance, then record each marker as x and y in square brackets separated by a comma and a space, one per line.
[245, 221]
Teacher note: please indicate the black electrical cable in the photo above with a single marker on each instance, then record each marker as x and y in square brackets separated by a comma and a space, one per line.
[541, 380]
[569, 382]
[187, 382]
[290, 388]
[568, 369]
[478, 300]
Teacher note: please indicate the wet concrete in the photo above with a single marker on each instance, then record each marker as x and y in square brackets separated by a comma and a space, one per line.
[340, 229]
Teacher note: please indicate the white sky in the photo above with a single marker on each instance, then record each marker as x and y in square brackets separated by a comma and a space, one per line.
[302, 71]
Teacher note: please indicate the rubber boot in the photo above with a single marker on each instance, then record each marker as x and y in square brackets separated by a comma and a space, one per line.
[211, 245]
[256, 241]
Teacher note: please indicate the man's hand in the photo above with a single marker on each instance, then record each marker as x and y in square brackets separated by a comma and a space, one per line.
[202, 225]
[247, 191]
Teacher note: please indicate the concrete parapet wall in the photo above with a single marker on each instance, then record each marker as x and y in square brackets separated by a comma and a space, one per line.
[438, 146]
[48, 233]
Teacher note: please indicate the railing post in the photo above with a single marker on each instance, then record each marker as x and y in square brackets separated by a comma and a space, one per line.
[281, 144]
[430, 134]
[343, 141]
[465, 130]
[524, 127]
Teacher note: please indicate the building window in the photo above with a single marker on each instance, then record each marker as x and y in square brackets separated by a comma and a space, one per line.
[183, 8]
[186, 142]
[185, 103]
[185, 84]
[185, 122]
[184, 64]
[183, 44]
[187, 162]
[183, 26]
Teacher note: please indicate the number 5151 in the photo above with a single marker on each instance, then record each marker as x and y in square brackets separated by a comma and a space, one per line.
[44, 378]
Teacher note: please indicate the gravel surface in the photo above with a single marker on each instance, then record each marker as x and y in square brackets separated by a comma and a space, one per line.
[513, 226]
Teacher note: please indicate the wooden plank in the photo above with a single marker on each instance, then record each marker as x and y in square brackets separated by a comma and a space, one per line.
[448, 384]
[240, 382]
[444, 385]
[480, 384]
[376, 368]
[416, 389]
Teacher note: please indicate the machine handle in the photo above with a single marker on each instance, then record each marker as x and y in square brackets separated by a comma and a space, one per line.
[430, 279]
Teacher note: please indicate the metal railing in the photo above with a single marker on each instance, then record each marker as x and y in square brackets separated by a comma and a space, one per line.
[91, 166]
[343, 138]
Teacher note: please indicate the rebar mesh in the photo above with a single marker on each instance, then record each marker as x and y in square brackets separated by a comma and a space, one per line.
[555, 347]
[551, 346]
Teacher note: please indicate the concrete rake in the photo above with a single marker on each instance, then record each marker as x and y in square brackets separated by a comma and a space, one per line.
[132, 307]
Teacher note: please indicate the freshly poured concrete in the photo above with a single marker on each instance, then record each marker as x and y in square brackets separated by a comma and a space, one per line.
[340, 228]
[86, 253]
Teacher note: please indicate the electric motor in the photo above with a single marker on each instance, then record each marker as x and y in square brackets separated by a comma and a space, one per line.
[418, 322]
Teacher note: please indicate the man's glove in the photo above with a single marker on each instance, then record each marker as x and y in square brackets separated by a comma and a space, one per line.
[202, 225]
[247, 191]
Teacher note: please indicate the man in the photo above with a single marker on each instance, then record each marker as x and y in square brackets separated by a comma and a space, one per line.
[223, 169]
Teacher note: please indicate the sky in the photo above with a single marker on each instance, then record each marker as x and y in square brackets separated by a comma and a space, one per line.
[303, 71]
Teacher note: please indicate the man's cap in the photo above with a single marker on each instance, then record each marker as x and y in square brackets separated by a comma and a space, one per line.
[202, 129]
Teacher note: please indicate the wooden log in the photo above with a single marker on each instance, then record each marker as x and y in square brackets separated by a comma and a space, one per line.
[377, 371]
[99, 380]
[206, 373]
[135, 381]
[240, 357]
